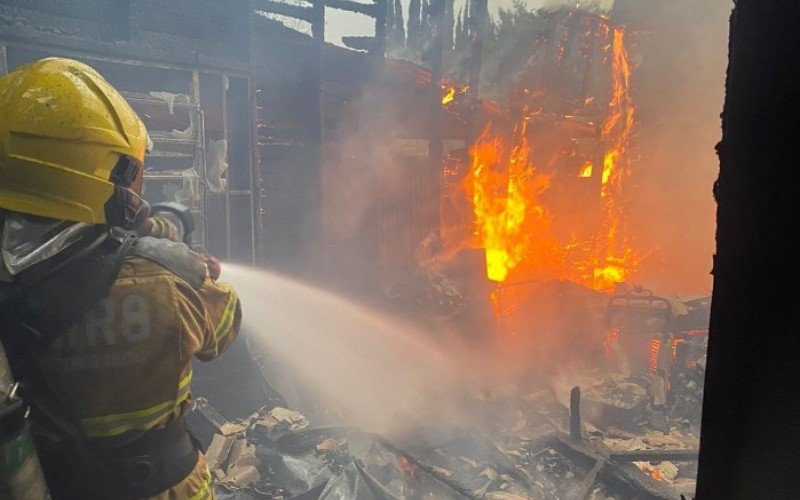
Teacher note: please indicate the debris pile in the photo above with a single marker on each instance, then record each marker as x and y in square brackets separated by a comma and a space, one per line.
[527, 453]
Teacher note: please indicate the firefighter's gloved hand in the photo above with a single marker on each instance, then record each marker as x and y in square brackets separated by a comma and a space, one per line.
[159, 226]
[213, 265]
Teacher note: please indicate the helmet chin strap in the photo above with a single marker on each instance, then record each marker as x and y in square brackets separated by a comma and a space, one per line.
[126, 209]
[132, 208]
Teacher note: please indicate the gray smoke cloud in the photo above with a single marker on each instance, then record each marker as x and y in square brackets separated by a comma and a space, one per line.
[679, 77]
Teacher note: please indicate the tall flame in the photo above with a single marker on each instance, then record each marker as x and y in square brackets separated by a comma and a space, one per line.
[504, 187]
[614, 258]
[514, 227]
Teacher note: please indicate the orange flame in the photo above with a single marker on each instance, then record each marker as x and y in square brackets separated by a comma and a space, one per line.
[451, 93]
[614, 258]
[654, 473]
[504, 187]
[586, 170]
[655, 352]
[513, 226]
[449, 96]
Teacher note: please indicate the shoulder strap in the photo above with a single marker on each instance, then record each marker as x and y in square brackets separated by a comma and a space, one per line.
[173, 256]
[45, 304]
[50, 306]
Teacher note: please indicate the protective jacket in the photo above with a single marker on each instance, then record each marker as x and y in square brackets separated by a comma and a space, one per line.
[122, 373]
[100, 326]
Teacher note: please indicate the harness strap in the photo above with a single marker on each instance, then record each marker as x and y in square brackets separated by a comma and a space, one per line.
[150, 465]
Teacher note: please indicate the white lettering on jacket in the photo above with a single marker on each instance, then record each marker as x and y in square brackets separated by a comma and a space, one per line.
[103, 324]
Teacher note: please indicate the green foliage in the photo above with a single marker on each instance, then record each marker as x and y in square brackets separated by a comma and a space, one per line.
[414, 26]
[510, 45]
[516, 21]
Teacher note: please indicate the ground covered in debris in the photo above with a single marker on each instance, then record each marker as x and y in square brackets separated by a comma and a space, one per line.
[628, 448]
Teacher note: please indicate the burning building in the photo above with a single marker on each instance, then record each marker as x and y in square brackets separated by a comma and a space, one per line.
[510, 222]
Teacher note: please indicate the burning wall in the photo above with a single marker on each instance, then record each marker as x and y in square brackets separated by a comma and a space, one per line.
[515, 185]
[657, 167]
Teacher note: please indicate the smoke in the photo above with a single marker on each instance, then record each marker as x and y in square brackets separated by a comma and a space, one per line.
[381, 203]
[380, 199]
[681, 49]
[600, 5]
[338, 361]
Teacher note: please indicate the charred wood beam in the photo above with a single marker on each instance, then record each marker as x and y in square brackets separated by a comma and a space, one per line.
[627, 478]
[654, 456]
[436, 132]
[428, 469]
[360, 42]
[285, 9]
[479, 20]
[575, 413]
[379, 491]
[367, 9]
[314, 493]
[573, 27]
[306, 13]
[585, 488]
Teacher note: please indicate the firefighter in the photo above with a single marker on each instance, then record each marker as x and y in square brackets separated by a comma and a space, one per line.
[100, 324]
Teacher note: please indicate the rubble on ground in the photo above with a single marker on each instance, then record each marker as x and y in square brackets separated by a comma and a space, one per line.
[277, 453]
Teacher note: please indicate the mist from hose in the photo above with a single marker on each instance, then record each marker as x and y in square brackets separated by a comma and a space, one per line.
[364, 367]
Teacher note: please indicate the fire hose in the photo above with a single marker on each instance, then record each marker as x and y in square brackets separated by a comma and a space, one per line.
[180, 216]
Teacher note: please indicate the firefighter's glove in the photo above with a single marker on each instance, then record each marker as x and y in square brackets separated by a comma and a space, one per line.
[160, 227]
[213, 265]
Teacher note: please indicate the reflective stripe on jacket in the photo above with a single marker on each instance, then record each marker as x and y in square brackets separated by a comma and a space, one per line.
[126, 367]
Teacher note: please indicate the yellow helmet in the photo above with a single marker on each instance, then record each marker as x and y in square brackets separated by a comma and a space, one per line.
[71, 147]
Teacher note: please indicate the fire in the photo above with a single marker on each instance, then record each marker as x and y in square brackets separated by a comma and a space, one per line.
[655, 352]
[614, 257]
[449, 96]
[514, 226]
[621, 111]
[407, 467]
[451, 93]
[504, 186]
[612, 337]
[654, 473]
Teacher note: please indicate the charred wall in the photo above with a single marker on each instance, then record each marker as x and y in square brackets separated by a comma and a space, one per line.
[285, 65]
[251, 81]
[374, 196]
[201, 32]
[751, 410]
[184, 65]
